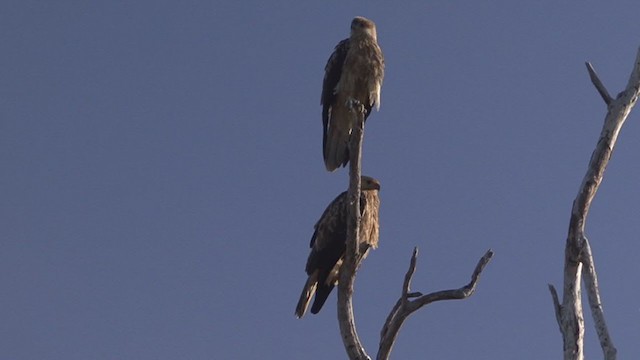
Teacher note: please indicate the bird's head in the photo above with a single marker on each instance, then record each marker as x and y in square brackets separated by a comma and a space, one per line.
[363, 26]
[369, 183]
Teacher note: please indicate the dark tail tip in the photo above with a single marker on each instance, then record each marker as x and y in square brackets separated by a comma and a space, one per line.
[322, 293]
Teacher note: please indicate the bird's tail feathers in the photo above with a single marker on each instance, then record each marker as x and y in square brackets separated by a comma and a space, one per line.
[322, 294]
[307, 293]
[336, 151]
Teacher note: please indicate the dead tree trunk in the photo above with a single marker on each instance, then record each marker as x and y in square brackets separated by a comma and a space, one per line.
[578, 258]
[409, 302]
[352, 344]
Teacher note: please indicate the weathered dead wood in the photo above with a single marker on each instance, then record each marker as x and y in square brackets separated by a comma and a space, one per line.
[350, 338]
[598, 84]
[593, 293]
[578, 257]
[405, 306]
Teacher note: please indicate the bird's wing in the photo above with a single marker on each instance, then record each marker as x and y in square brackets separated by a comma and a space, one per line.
[332, 222]
[332, 74]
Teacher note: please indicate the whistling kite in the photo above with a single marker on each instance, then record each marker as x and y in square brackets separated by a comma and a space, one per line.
[328, 243]
[354, 72]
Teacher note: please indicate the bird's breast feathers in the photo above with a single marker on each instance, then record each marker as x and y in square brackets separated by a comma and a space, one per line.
[362, 73]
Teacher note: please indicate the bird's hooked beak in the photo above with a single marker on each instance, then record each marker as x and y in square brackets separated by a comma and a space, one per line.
[369, 183]
[375, 184]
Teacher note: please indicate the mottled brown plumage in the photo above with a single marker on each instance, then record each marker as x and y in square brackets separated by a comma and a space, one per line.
[354, 71]
[328, 244]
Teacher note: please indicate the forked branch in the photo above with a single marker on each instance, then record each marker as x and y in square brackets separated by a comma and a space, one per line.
[409, 302]
[578, 257]
[405, 306]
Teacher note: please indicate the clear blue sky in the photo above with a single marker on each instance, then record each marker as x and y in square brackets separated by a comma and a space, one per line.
[162, 172]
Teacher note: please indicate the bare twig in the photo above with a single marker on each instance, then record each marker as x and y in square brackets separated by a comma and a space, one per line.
[571, 320]
[405, 307]
[598, 84]
[392, 325]
[407, 278]
[352, 344]
[556, 304]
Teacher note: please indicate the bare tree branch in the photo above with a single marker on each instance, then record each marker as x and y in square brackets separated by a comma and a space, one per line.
[591, 281]
[571, 320]
[556, 304]
[598, 84]
[407, 278]
[571, 317]
[405, 307]
[392, 325]
[352, 344]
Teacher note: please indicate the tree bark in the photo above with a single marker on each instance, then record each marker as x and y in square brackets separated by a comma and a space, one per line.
[578, 257]
[350, 338]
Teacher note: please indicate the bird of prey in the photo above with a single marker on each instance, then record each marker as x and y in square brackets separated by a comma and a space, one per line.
[328, 243]
[353, 75]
